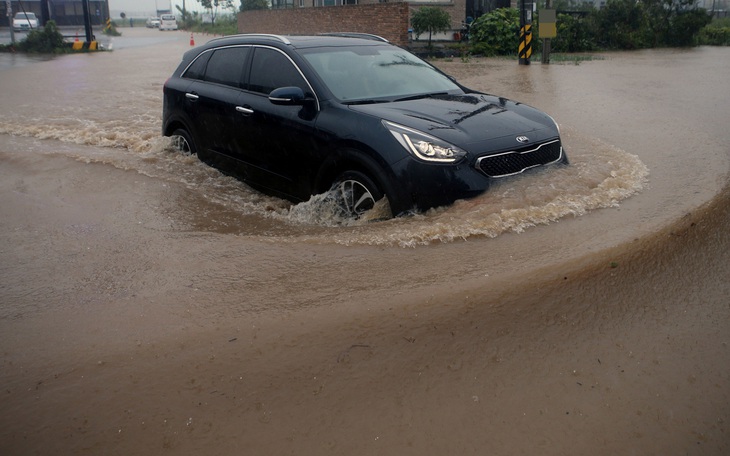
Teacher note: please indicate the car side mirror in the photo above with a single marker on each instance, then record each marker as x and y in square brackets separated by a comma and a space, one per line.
[287, 96]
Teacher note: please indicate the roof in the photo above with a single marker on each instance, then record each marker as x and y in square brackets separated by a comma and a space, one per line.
[301, 41]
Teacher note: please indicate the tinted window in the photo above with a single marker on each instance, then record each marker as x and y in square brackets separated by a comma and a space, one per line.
[226, 66]
[271, 69]
[197, 69]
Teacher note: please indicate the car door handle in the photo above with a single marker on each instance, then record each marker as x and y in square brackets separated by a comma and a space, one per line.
[244, 110]
[191, 96]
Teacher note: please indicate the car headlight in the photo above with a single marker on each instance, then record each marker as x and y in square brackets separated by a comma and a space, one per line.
[424, 146]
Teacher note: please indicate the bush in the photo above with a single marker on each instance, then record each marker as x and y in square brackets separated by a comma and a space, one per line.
[574, 34]
[685, 27]
[496, 33]
[621, 24]
[111, 30]
[46, 41]
[715, 36]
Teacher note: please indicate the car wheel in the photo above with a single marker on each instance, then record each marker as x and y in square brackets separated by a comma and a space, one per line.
[182, 142]
[356, 193]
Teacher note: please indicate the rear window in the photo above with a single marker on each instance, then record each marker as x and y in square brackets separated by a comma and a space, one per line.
[168, 18]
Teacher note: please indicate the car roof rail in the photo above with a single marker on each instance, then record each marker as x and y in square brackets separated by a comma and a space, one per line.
[281, 38]
[366, 36]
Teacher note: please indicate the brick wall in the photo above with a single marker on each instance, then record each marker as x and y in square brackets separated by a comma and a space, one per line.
[389, 20]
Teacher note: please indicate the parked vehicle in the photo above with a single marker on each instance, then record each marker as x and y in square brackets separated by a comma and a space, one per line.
[168, 22]
[300, 115]
[23, 22]
[153, 22]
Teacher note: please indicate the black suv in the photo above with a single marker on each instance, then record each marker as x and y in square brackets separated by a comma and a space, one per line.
[295, 116]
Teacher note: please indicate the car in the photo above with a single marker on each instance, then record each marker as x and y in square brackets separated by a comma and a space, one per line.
[296, 116]
[153, 22]
[168, 22]
[23, 22]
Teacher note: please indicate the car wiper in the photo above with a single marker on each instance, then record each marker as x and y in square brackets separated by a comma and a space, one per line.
[366, 101]
[421, 96]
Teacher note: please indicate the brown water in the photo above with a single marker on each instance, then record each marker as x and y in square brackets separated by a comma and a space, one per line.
[149, 304]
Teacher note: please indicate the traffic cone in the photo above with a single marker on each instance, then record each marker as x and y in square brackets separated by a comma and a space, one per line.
[77, 36]
[192, 41]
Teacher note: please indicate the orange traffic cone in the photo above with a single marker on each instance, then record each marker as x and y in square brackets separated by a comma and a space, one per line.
[192, 41]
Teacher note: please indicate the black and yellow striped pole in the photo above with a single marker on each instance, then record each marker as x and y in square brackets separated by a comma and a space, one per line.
[525, 47]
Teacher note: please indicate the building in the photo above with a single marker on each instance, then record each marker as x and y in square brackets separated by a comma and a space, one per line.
[387, 18]
[63, 12]
[459, 10]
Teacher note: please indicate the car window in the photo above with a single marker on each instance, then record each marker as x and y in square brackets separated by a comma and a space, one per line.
[270, 69]
[226, 66]
[196, 70]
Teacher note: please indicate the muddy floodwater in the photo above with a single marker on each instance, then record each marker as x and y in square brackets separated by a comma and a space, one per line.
[150, 305]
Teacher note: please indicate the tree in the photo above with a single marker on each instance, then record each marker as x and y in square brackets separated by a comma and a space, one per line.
[430, 19]
[212, 6]
[497, 32]
[248, 5]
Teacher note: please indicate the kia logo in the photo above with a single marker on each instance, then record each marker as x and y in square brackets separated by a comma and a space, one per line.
[523, 139]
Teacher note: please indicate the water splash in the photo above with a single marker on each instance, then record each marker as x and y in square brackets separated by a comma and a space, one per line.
[600, 176]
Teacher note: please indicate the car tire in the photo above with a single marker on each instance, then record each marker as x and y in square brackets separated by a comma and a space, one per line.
[356, 193]
[183, 142]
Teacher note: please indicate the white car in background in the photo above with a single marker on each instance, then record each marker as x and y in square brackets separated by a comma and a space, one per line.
[25, 22]
[153, 22]
[168, 22]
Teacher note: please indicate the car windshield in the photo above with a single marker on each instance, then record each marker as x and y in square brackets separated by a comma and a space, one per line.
[25, 16]
[376, 73]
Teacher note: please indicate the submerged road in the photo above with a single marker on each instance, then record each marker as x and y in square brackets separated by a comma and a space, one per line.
[150, 305]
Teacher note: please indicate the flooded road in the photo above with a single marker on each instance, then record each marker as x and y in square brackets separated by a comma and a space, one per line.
[149, 304]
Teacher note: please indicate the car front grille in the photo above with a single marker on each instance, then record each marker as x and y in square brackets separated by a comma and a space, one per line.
[519, 160]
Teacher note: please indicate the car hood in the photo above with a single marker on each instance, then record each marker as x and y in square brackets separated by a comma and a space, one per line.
[467, 120]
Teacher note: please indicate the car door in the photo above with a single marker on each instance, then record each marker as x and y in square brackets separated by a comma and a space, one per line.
[277, 142]
[213, 100]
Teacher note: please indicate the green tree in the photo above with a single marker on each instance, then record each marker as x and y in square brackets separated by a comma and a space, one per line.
[622, 24]
[574, 34]
[497, 32]
[430, 19]
[248, 5]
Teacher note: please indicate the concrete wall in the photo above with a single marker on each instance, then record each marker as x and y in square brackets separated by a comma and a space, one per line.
[389, 20]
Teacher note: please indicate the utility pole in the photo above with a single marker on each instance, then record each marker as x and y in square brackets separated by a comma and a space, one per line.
[548, 30]
[525, 47]
[9, 9]
[87, 20]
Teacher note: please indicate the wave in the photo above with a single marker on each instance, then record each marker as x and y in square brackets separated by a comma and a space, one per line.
[600, 176]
